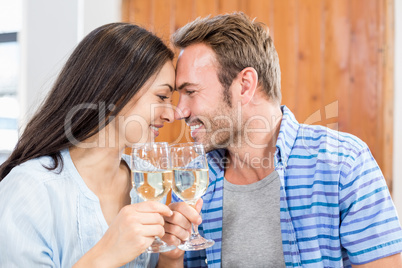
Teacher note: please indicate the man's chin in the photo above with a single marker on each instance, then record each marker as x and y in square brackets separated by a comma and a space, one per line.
[200, 139]
[208, 146]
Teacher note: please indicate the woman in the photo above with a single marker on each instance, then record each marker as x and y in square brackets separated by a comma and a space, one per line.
[64, 191]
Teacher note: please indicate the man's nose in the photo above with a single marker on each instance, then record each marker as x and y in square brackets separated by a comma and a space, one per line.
[181, 113]
[182, 110]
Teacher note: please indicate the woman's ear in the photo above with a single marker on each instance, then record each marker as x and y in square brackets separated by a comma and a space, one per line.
[249, 82]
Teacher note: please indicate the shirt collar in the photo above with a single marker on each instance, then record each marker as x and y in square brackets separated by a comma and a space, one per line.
[215, 160]
[287, 135]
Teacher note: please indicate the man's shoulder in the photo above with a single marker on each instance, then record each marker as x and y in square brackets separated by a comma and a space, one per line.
[315, 136]
[330, 147]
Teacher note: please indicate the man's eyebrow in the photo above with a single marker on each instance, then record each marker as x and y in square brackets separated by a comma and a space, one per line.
[167, 85]
[186, 84]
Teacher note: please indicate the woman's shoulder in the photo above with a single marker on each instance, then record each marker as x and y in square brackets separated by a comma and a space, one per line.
[26, 206]
[37, 168]
[24, 184]
[33, 171]
[33, 185]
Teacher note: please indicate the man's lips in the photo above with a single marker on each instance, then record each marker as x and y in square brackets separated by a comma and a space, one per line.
[194, 128]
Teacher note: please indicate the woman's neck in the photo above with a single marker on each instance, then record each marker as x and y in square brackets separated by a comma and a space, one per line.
[100, 168]
[106, 176]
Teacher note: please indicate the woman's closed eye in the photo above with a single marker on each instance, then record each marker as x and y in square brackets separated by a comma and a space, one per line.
[162, 97]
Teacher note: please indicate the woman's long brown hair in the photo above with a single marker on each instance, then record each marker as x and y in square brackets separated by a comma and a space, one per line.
[107, 68]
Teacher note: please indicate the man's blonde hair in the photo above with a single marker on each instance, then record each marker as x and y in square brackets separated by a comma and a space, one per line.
[238, 42]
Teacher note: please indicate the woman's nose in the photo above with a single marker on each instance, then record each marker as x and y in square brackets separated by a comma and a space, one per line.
[168, 114]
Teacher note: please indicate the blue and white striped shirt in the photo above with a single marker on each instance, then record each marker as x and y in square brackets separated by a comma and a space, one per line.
[335, 207]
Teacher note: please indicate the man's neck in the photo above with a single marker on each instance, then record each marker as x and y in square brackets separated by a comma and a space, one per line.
[253, 160]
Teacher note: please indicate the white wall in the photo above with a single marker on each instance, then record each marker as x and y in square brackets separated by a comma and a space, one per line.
[50, 31]
[397, 166]
[97, 13]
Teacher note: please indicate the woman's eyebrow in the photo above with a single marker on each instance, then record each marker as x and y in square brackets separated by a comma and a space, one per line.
[167, 85]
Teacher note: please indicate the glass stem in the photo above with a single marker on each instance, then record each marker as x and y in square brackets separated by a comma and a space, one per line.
[194, 229]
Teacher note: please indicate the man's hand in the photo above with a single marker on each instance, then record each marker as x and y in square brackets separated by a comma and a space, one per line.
[178, 229]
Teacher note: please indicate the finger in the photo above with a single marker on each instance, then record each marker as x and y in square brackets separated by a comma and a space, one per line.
[187, 211]
[152, 230]
[151, 218]
[178, 219]
[171, 239]
[177, 231]
[153, 207]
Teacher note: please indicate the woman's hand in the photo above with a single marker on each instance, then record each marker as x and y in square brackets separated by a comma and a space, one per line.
[131, 232]
[178, 229]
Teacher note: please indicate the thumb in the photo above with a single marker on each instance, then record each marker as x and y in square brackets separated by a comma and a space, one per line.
[199, 204]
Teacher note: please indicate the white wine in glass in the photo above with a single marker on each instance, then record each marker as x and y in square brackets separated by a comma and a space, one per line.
[152, 175]
[190, 182]
[152, 185]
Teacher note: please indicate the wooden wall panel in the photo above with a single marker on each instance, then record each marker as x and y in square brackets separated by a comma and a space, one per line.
[336, 59]
[141, 13]
[364, 72]
[309, 59]
[286, 44]
[163, 19]
[336, 24]
[386, 128]
[228, 6]
[261, 10]
[204, 8]
[184, 13]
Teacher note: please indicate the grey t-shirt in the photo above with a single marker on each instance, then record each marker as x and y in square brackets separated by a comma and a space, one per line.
[251, 233]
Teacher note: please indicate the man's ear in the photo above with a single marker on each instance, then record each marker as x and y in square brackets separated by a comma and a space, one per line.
[248, 79]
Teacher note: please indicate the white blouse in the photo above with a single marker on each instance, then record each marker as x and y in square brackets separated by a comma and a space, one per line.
[51, 218]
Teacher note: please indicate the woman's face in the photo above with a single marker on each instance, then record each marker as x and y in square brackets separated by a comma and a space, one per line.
[143, 116]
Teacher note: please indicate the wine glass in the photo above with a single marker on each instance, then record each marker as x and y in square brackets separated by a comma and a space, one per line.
[190, 168]
[151, 167]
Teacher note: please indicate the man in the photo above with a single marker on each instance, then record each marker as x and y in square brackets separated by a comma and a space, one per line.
[281, 193]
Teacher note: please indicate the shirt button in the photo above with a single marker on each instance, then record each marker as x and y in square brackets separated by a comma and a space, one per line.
[206, 261]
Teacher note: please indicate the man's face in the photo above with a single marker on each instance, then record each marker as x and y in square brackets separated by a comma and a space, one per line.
[212, 121]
